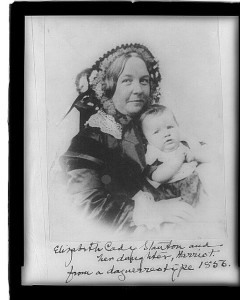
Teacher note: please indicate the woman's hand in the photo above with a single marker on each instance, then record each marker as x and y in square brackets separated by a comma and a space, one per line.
[152, 214]
[173, 211]
[143, 208]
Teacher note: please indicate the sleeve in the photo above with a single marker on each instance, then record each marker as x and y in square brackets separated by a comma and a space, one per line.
[83, 162]
[149, 169]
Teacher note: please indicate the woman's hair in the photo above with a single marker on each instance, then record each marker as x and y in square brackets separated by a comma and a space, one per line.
[115, 70]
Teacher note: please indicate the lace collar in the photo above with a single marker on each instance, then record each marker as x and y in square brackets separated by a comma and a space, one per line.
[106, 123]
[122, 119]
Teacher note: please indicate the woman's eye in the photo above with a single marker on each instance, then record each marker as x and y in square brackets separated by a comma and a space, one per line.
[170, 127]
[126, 80]
[145, 81]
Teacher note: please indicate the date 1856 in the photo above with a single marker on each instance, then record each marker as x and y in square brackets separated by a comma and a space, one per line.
[214, 264]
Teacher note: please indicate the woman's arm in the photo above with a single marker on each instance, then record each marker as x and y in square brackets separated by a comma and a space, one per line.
[83, 164]
[98, 204]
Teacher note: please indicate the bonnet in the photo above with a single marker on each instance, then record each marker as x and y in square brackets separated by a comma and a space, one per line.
[90, 83]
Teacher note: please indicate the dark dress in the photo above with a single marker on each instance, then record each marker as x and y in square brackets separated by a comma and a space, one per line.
[106, 172]
[188, 189]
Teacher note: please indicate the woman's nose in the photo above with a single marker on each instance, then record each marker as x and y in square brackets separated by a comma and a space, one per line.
[137, 89]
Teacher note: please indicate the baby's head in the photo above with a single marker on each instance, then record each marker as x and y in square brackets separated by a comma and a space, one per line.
[160, 128]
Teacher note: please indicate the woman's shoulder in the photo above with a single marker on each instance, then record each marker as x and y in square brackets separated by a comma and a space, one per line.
[92, 140]
[106, 124]
[86, 149]
[87, 138]
[97, 137]
[88, 133]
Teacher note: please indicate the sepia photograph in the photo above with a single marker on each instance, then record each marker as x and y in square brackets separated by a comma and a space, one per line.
[128, 130]
[134, 126]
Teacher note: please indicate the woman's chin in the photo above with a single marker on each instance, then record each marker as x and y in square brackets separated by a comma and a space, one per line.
[134, 107]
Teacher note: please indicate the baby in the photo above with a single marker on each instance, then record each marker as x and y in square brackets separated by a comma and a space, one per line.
[171, 162]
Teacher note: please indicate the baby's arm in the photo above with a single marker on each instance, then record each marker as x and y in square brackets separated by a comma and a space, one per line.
[169, 167]
[199, 153]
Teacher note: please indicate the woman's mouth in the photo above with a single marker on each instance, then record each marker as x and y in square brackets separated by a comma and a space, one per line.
[136, 100]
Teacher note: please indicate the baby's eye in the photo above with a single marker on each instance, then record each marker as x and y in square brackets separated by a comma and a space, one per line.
[155, 132]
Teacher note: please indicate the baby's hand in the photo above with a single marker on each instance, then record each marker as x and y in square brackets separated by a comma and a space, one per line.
[189, 155]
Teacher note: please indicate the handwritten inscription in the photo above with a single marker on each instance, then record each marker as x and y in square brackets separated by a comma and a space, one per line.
[125, 259]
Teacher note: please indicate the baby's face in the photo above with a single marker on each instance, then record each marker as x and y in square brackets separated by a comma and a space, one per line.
[162, 131]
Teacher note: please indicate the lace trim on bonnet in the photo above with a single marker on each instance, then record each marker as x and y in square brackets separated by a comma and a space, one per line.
[106, 123]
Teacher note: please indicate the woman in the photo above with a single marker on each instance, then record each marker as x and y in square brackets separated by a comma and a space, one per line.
[106, 159]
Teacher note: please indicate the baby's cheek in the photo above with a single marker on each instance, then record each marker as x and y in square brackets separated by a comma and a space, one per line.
[158, 143]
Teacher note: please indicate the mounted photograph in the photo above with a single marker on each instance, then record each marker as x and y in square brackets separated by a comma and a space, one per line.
[132, 126]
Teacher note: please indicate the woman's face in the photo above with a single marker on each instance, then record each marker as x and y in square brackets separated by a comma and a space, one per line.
[133, 87]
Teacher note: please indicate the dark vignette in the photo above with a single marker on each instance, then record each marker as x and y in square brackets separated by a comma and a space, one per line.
[18, 11]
